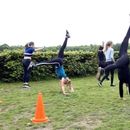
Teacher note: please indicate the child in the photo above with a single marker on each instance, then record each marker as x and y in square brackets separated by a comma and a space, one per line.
[29, 49]
[101, 57]
[122, 64]
[109, 56]
[59, 69]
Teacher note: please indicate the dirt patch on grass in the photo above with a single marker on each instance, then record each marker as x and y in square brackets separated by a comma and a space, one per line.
[48, 127]
[86, 123]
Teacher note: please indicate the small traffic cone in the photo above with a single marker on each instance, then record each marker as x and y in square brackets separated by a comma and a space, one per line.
[40, 112]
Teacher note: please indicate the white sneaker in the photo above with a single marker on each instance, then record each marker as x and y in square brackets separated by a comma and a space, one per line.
[99, 84]
[67, 34]
[32, 64]
[26, 86]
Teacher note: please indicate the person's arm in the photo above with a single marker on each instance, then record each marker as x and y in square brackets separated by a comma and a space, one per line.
[38, 49]
[104, 46]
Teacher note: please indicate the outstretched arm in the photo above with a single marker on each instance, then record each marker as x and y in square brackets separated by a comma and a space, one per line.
[104, 46]
[38, 49]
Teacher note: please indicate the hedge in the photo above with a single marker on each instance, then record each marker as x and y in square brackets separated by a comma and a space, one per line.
[76, 63]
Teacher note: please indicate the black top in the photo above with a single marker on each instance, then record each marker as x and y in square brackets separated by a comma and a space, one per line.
[101, 56]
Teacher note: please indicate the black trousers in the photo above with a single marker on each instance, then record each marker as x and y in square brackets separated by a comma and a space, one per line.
[107, 73]
[26, 76]
[60, 56]
[121, 88]
[123, 60]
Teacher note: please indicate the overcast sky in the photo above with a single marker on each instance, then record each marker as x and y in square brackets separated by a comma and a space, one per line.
[45, 21]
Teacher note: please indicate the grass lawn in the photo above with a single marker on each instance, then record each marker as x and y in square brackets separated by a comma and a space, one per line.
[89, 108]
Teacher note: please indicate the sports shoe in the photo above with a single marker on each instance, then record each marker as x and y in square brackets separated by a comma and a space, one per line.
[31, 65]
[67, 34]
[112, 85]
[107, 78]
[26, 86]
[100, 84]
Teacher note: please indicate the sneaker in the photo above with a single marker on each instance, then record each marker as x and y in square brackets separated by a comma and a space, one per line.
[107, 78]
[31, 65]
[112, 85]
[67, 34]
[26, 86]
[99, 84]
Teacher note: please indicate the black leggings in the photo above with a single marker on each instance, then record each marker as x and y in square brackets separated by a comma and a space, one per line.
[123, 60]
[61, 51]
[121, 88]
[124, 45]
[107, 73]
[60, 57]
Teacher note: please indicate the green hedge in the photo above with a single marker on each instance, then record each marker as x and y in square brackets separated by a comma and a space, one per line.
[76, 63]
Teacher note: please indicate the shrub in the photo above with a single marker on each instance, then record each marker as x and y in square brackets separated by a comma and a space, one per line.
[76, 63]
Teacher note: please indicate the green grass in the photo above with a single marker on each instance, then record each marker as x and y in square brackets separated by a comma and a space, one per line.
[88, 108]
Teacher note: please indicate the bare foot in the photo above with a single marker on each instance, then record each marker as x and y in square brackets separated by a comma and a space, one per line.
[72, 90]
[66, 94]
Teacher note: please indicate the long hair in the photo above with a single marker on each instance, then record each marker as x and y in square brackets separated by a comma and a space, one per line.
[29, 44]
[108, 44]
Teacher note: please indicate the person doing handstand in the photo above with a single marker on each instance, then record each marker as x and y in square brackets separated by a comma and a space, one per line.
[59, 69]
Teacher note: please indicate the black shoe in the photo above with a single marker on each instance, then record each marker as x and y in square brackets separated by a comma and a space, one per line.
[112, 85]
[107, 78]
[99, 84]
[67, 34]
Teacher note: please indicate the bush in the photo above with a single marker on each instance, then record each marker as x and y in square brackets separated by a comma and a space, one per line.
[76, 63]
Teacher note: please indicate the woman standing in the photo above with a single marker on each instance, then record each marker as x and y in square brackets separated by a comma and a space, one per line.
[28, 52]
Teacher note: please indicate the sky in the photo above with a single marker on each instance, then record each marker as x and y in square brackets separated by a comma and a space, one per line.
[45, 21]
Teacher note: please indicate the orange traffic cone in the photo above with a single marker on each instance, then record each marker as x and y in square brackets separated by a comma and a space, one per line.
[40, 113]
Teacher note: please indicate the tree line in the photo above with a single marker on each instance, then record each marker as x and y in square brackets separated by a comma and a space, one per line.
[90, 47]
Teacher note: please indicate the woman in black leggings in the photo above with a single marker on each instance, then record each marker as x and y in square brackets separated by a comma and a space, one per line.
[122, 64]
[109, 52]
[59, 69]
